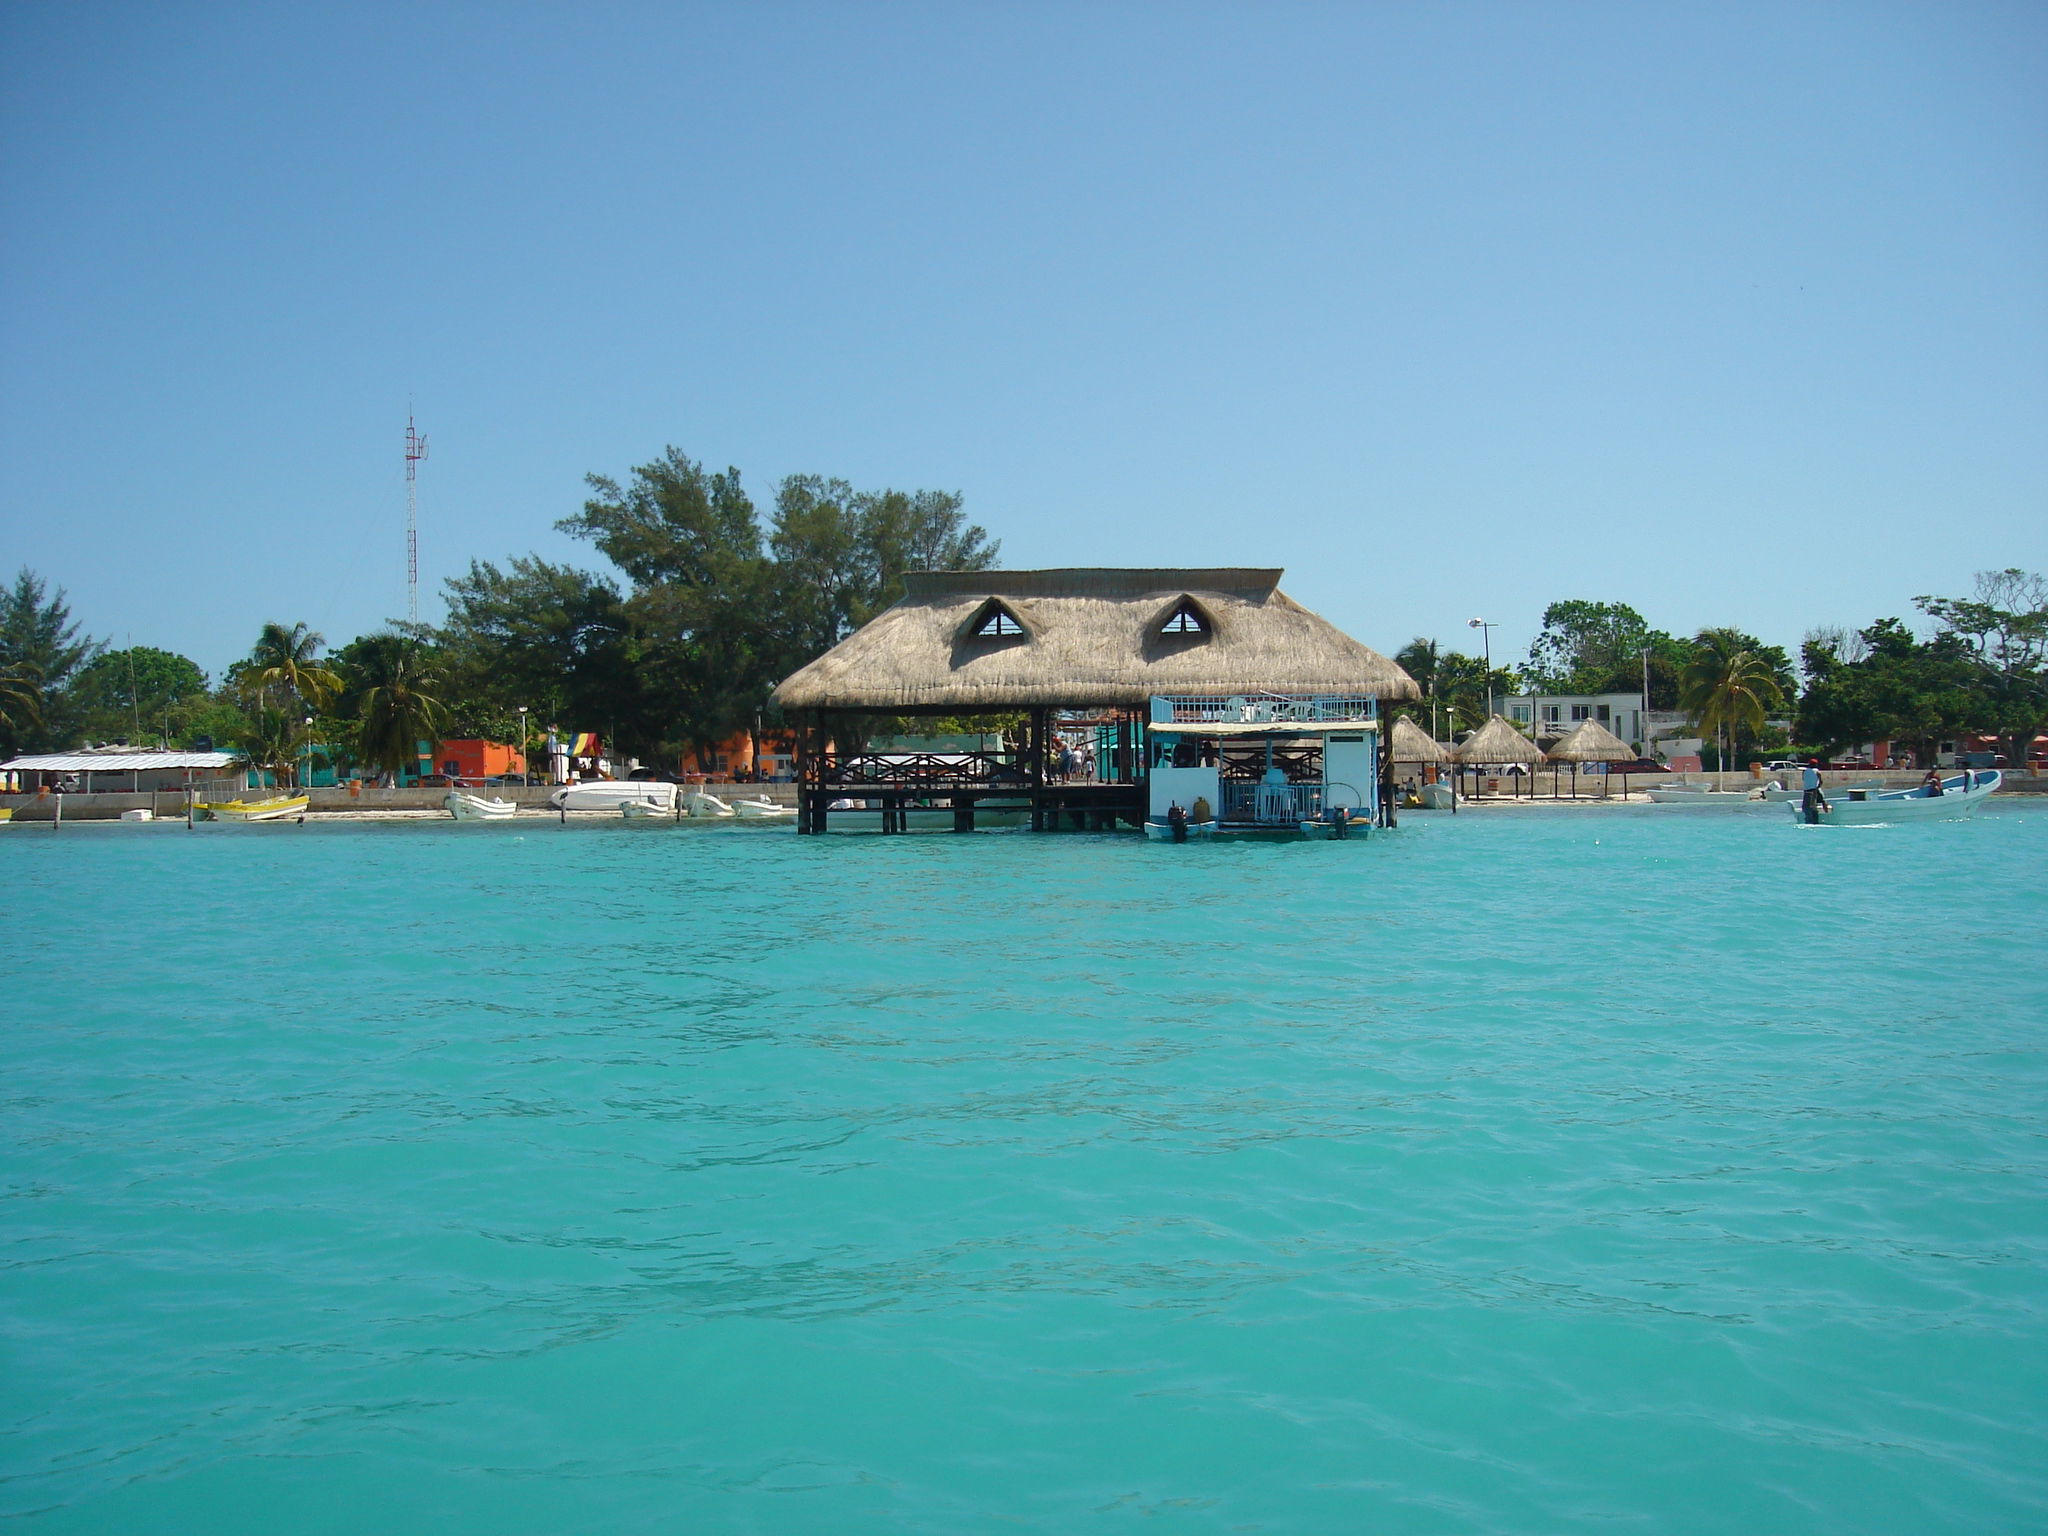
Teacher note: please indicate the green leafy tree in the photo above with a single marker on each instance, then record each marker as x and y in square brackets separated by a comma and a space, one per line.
[41, 653]
[390, 690]
[139, 694]
[722, 610]
[1595, 647]
[558, 640]
[1898, 689]
[2004, 626]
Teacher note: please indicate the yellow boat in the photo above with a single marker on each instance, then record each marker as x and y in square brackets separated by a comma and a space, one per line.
[255, 810]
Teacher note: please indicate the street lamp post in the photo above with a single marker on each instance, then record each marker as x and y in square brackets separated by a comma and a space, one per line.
[307, 781]
[1643, 718]
[525, 751]
[1486, 643]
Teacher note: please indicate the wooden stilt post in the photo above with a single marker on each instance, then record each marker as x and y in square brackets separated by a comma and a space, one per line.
[1038, 735]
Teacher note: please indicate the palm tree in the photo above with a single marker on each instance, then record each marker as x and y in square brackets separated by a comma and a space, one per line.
[21, 700]
[1421, 659]
[394, 712]
[272, 741]
[1727, 688]
[286, 660]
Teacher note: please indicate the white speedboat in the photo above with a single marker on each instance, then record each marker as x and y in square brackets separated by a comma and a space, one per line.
[642, 810]
[467, 807]
[762, 810]
[611, 794]
[1437, 797]
[697, 803]
[280, 808]
[1864, 808]
[1161, 832]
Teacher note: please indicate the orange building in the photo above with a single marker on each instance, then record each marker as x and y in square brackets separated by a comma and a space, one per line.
[735, 756]
[477, 759]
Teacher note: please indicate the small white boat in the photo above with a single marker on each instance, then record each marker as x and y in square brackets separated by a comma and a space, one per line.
[1160, 832]
[468, 807]
[1862, 808]
[1437, 797]
[1684, 792]
[1776, 791]
[697, 803]
[138, 815]
[762, 810]
[277, 809]
[642, 810]
[611, 794]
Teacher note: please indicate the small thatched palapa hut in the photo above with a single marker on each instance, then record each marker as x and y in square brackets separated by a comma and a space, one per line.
[1410, 743]
[1590, 742]
[1498, 743]
[1103, 643]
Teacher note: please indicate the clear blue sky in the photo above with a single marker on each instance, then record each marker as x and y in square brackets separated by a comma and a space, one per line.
[1737, 313]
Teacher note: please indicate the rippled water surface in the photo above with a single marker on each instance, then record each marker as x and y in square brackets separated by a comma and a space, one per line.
[1644, 1170]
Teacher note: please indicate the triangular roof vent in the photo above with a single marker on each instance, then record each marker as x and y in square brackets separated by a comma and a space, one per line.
[996, 620]
[1186, 620]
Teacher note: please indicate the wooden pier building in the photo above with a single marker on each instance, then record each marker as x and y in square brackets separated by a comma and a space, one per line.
[1116, 657]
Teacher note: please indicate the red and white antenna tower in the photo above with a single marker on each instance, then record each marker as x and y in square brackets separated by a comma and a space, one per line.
[415, 450]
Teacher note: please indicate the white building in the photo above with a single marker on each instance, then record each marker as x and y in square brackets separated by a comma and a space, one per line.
[1553, 714]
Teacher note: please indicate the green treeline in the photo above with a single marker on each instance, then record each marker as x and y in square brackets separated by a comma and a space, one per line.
[703, 607]
[1982, 671]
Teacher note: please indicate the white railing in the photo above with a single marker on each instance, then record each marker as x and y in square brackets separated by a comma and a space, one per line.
[1254, 708]
[1275, 805]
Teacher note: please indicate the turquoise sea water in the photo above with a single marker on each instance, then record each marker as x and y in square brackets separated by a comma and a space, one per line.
[1642, 1170]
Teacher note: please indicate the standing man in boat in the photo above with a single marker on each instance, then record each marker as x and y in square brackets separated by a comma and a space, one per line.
[1812, 802]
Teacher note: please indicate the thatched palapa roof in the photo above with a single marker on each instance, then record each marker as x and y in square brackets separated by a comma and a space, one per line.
[1591, 742]
[1497, 741]
[1087, 639]
[1412, 744]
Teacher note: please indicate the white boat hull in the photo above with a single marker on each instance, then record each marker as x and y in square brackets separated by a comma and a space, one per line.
[697, 803]
[1716, 799]
[1954, 803]
[1198, 831]
[476, 808]
[1777, 795]
[610, 795]
[762, 810]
